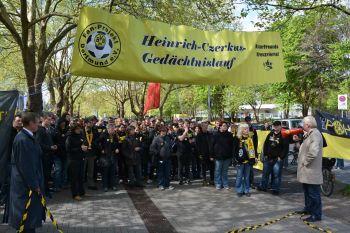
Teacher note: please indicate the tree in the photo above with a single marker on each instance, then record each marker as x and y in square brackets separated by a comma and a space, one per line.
[27, 24]
[119, 92]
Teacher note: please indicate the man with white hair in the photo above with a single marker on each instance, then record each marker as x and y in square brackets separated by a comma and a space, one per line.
[310, 168]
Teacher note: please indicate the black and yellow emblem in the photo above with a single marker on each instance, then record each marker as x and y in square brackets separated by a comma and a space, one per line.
[338, 128]
[99, 45]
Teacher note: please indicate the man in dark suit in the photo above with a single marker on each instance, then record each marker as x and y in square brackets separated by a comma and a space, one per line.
[44, 135]
[26, 174]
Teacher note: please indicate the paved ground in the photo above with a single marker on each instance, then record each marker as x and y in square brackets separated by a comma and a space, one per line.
[191, 208]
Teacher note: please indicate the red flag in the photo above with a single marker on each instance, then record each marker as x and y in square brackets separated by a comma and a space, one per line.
[153, 97]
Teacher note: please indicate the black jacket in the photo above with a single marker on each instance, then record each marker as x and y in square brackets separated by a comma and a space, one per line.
[240, 152]
[44, 137]
[59, 139]
[222, 146]
[275, 146]
[203, 141]
[73, 146]
[108, 144]
[131, 156]
[161, 147]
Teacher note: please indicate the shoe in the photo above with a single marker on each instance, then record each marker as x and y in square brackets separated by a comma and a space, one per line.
[161, 188]
[105, 189]
[253, 186]
[247, 194]
[239, 194]
[304, 212]
[218, 188]
[77, 198]
[170, 187]
[114, 188]
[261, 189]
[227, 188]
[149, 181]
[181, 183]
[312, 218]
[92, 187]
[188, 182]
[275, 192]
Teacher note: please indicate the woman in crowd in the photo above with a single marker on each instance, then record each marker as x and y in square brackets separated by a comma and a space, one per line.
[75, 153]
[221, 151]
[109, 147]
[244, 155]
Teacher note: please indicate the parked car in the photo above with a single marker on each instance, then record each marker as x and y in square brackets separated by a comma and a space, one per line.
[292, 123]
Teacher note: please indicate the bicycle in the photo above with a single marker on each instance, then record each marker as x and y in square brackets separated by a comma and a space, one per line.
[327, 187]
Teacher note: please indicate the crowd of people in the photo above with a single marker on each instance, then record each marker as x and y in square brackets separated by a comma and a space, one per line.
[76, 151]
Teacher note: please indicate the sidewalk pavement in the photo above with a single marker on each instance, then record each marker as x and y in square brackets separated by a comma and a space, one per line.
[191, 208]
[343, 175]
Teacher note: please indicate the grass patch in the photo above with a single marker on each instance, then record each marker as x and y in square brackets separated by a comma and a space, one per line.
[346, 190]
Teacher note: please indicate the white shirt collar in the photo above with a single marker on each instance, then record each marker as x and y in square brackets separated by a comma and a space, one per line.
[30, 132]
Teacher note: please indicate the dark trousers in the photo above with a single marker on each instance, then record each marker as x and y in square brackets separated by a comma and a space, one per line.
[122, 169]
[47, 166]
[108, 176]
[174, 165]
[183, 161]
[208, 165]
[134, 172]
[76, 175]
[313, 203]
[196, 166]
[164, 173]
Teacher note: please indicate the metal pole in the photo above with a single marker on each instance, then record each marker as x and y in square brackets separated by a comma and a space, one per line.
[209, 104]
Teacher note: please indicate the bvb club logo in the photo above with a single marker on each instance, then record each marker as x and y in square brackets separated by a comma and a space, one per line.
[99, 45]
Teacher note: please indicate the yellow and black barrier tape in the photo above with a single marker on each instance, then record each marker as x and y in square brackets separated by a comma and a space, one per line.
[254, 227]
[315, 227]
[43, 203]
[25, 212]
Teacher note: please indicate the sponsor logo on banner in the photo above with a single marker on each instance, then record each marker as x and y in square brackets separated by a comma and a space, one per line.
[99, 45]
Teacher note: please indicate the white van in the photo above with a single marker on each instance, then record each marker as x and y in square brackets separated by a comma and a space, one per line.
[292, 123]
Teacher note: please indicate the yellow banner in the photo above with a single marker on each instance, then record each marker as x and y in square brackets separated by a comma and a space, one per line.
[337, 147]
[121, 47]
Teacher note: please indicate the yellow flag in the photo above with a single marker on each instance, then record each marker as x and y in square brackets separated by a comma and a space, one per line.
[122, 47]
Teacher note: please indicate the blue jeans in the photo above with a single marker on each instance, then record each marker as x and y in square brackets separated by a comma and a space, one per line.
[276, 167]
[340, 163]
[221, 170]
[243, 178]
[313, 203]
[109, 175]
[164, 173]
[60, 172]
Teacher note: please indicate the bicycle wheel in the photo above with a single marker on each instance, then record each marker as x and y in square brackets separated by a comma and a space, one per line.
[328, 183]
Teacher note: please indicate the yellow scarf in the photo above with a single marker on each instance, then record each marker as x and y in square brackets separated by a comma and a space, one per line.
[249, 146]
[89, 137]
